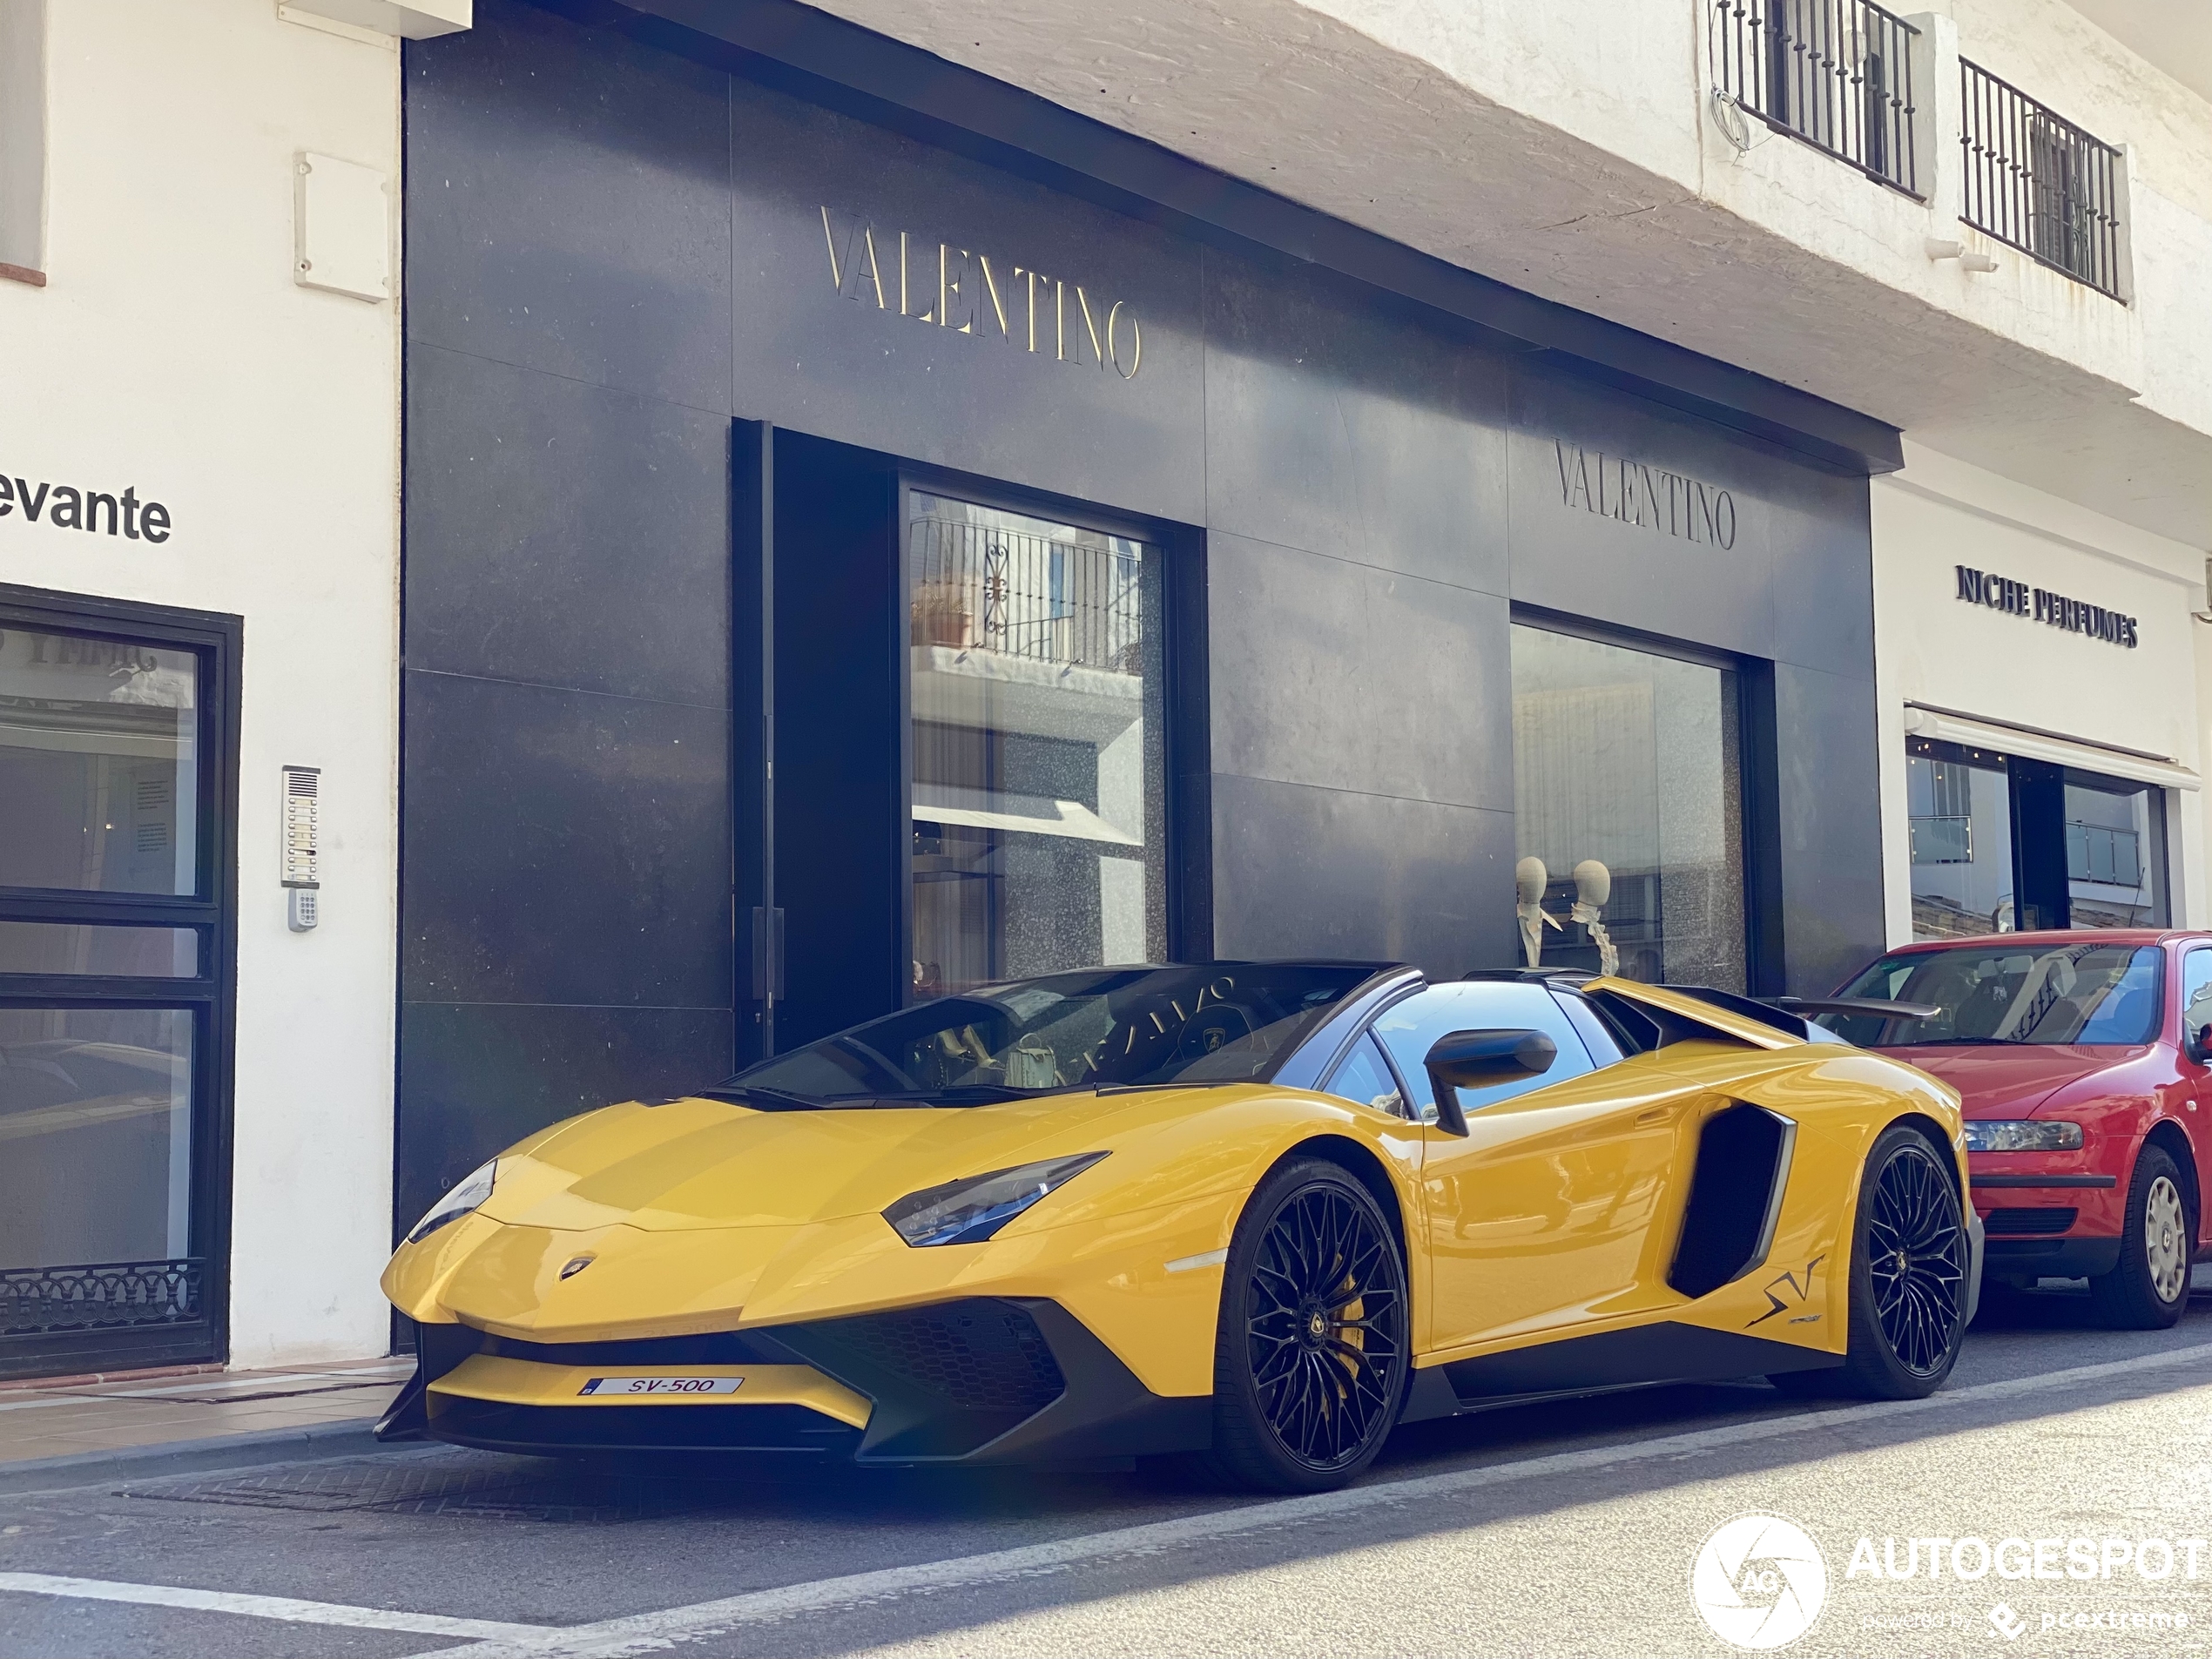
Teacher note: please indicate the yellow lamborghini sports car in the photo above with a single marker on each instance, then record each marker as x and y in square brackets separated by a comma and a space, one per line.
[1260, 1211]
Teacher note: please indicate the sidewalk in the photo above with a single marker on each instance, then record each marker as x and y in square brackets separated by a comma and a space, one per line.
[86, 1429]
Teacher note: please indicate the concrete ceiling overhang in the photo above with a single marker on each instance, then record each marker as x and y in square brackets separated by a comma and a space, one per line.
[1319, 140]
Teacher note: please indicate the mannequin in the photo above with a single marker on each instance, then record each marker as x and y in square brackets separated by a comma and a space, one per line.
[1592, 886]
[1529, 880]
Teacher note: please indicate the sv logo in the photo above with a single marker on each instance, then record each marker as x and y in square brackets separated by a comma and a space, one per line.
[1798, 1286]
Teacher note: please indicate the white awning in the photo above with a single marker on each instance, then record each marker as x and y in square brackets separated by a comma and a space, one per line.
[2031, 743]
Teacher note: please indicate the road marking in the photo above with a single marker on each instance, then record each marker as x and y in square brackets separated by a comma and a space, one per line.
[651, 1632]
[271, 1607]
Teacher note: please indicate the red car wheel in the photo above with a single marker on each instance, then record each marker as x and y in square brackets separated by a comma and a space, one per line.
[2149, 1287]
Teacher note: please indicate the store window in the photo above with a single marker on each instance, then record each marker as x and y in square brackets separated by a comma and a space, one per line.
[1627, 811]
[111, 1006]
[2000, 843]
[1037, 775]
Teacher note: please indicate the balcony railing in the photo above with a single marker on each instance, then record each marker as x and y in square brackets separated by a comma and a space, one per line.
[1835, 73]
[2039, 183]
[1022, 596]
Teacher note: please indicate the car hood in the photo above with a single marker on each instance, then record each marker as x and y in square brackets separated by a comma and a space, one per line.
[697, 1214]
[702, 1163]
[2011, 1080]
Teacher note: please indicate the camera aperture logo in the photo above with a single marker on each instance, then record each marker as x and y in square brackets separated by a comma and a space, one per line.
[1759, 1582]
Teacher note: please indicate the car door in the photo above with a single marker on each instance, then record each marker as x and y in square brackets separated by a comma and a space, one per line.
[1540, 1215]
[2195, 1012]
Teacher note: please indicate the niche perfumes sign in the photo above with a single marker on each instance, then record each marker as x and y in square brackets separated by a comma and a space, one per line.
[966, 291]
[2041, 604]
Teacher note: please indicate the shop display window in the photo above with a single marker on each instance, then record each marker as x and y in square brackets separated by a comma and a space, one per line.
[1627, 811]
[2001, 843]
[1036, 762]
[1960, 824]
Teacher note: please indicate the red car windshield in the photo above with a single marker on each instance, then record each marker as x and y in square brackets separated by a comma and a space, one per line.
[2089, 993]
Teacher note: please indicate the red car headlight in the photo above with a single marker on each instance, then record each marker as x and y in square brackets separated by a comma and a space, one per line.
[2021, 1134]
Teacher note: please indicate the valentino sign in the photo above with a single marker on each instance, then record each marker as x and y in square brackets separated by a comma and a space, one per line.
[1648, 497]
[2041, 604]
[962, 290]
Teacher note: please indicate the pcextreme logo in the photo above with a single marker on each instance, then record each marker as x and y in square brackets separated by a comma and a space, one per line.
[1759, 1582]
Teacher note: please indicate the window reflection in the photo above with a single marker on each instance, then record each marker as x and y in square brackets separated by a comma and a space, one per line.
[1958, 803]
[1627, 812]
[2113, 879]
[99, 767]
[95, 1136]
[69, 947]
[1037, 795]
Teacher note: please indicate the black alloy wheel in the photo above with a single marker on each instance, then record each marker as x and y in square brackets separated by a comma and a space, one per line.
[1311, 1358]
[1916, 1256]
[1907, 1286]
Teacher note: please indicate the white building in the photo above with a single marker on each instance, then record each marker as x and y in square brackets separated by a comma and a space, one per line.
[198, 553]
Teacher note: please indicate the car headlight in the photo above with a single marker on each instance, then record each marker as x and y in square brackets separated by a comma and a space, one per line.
[968, 1212]
[460, 1202]
[1998, 1135]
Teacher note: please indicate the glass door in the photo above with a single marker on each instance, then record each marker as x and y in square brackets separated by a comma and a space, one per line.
[113, 985]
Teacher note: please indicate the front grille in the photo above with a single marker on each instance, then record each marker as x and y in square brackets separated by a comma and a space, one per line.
[714, 1348]
[2029, 1221]
[975, 1356]
[735, 1427]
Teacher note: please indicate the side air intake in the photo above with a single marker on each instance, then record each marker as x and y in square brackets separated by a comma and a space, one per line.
[1735, 1198]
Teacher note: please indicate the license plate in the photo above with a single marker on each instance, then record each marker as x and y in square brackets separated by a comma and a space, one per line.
[686, 1386]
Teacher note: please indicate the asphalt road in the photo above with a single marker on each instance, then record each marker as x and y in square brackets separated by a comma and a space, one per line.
[1566, 1528]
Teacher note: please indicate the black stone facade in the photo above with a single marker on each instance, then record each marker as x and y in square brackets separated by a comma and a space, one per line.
[616, 263]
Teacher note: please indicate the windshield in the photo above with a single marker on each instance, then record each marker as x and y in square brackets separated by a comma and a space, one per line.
[1228, 1022]
[2043, 993]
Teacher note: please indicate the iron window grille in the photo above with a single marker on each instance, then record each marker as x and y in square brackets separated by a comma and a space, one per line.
[1836, 73]
[2038, 183]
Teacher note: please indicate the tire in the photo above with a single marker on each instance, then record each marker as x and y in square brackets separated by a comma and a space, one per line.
[1907, 1289]
[1313, 1354]
[2149, 1289]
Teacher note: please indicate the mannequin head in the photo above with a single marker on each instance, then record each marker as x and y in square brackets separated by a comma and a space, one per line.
[1593, 883]
[1529, 879]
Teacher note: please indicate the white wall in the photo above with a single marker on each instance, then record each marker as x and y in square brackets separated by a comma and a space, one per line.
[173, 351]
[1931, 647]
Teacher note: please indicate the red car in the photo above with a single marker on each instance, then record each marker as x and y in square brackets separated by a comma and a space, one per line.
[2081, 1057]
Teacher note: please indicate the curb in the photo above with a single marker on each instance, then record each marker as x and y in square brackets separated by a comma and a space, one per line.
[351, 1437]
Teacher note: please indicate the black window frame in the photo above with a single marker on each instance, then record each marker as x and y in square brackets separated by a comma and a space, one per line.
[2041, 878]
[216, 640]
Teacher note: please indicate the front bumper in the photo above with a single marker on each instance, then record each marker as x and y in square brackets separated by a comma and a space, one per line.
[981, 1380]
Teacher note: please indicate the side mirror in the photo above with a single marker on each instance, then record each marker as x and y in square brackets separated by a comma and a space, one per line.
[2197, 1042]
[1478, 1059]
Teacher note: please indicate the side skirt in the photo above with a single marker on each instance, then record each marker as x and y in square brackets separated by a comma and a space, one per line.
[1647, 1354]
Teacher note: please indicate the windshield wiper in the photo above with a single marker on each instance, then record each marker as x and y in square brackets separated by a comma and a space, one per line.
[958, 1094]
[772, 1100]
